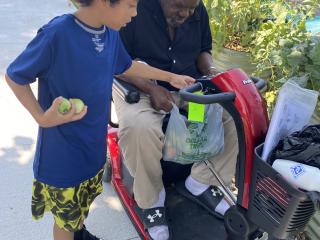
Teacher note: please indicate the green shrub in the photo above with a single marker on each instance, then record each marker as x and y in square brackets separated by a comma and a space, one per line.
[273, 32]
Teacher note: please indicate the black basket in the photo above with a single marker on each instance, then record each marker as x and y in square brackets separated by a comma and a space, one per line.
[275, 205]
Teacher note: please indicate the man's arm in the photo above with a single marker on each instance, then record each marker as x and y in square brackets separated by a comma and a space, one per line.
[205, 64]
[160, 97]
[142, 85]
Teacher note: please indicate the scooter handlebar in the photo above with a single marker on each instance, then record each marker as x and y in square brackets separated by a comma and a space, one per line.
[187, 94]
[260, 83]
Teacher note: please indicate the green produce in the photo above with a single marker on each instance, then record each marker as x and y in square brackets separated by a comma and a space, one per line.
[78, 103]
[64, 106]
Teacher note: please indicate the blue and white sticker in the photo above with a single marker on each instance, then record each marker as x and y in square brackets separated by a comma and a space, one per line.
[297, 170]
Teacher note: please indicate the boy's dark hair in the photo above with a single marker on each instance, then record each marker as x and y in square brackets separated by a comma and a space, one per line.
[88, 2]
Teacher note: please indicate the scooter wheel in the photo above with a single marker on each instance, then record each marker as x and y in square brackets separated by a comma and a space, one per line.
[236, 224]
[107, 175]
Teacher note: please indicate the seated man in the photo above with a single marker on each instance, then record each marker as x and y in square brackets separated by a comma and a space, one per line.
[172, 35]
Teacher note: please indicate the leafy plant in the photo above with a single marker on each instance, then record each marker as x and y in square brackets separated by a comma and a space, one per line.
[274, 34]
[234, 23]
[286, 50]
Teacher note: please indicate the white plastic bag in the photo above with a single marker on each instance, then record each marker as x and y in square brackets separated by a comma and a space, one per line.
[292, 112]
[189, 142]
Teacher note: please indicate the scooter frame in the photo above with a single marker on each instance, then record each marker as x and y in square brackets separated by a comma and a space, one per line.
[238, 94]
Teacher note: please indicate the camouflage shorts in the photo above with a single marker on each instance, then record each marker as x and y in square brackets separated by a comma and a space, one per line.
[69, 206]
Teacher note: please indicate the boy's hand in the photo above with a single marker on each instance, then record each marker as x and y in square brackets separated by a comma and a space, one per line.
[181, 81]
[52, 117]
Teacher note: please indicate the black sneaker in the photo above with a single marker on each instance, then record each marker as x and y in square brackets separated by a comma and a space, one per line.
[84, 234]
[78, 234]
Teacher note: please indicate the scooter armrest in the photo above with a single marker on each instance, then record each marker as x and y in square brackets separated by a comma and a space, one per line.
[126, 91]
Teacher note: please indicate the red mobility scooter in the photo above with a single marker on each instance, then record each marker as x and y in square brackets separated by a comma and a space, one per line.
[265, 202]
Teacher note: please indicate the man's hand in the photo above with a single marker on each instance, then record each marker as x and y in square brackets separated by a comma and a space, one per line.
[161, 98]
[52, 117]
[181, 81]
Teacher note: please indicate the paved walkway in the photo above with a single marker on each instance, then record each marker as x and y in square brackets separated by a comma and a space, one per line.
[19, 21]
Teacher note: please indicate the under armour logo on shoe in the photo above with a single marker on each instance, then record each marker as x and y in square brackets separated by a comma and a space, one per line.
[157, 214]
[216, 192]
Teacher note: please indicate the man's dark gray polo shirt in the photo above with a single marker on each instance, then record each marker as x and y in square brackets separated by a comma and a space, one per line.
[147, 38]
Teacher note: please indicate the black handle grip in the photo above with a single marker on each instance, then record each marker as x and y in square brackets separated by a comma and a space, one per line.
[126, 91]
[260, 83]
[187, 94]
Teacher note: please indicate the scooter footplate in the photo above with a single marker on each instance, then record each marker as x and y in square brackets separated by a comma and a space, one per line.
[189, 221]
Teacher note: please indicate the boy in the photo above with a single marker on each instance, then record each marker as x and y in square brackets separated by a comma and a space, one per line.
[75, 56]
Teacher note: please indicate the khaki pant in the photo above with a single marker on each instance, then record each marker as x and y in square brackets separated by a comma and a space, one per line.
[141, 140]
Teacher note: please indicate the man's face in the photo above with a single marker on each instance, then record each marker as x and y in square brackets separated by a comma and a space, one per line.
[176, 12]
[120, 13]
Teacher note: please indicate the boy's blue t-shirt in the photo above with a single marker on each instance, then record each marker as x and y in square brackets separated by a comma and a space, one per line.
[72, 60]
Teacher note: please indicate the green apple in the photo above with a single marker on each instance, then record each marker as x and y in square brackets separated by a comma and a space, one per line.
[64, 106]
[78, 103]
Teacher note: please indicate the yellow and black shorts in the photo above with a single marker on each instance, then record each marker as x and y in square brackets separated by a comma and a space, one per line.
[69, 206]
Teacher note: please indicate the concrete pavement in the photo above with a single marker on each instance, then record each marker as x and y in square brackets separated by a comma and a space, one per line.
[19, 21]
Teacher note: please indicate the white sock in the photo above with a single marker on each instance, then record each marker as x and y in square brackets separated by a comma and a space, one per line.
[159, 232]
[195, 187]
[222, 207]
[161, 199]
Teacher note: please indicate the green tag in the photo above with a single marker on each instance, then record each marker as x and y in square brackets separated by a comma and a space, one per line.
[196, 111]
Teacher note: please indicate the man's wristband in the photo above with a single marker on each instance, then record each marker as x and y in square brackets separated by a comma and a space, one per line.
[213, 68]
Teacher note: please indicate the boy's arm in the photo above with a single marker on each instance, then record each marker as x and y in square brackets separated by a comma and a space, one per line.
[49, 118]
[26, 97]
[141, 70]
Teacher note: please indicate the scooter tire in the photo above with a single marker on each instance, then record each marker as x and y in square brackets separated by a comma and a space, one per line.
[237, 225]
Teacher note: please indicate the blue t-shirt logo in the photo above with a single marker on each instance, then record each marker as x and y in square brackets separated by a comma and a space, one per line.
[297, 171]
[99, 43]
